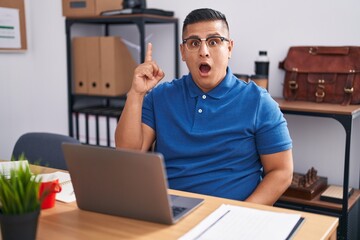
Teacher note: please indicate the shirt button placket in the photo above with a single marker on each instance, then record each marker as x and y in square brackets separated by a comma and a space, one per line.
[203, 97]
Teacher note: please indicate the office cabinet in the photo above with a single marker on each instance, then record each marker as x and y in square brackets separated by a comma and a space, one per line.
[92, 116]
[348, 211]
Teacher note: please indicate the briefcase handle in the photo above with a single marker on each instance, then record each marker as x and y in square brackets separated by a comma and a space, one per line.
[329, 50]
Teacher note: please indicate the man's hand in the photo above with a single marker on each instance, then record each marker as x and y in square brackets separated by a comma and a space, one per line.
[147, 74]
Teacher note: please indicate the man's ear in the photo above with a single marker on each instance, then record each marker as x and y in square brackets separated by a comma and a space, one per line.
[230, 47]
[182, 51]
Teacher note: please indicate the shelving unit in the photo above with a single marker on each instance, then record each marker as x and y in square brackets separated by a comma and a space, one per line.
[349, 211]
[102, 106]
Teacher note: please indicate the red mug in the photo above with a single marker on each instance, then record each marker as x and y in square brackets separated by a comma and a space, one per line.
[48, 190]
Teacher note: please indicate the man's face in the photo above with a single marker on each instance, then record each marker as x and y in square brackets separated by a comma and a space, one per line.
[207, 64]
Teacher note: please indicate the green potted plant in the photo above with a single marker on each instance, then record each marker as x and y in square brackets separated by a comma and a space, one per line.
[19, 203]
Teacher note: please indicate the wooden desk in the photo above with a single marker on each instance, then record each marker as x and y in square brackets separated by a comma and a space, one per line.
[66, 221]
[345, 116]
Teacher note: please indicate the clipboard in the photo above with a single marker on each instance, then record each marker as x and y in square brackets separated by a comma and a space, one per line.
[229, 221]
[10, 24]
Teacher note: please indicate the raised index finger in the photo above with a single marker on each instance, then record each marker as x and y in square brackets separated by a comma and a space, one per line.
[148, 56]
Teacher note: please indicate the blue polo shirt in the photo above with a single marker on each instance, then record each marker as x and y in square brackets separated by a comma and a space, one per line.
[211, 141]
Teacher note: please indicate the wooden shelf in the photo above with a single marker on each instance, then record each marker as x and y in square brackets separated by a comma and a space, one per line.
[345, 116]
[316, 202]
[100, 105]
[318, 107]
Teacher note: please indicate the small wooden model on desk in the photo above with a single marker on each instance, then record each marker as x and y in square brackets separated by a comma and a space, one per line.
[306, 186]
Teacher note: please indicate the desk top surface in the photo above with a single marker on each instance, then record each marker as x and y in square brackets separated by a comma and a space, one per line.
[66, 221]
[318, 107]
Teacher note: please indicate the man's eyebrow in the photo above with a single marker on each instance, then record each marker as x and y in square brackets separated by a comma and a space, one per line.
[193, 37]
[215, 34]
[198, 37]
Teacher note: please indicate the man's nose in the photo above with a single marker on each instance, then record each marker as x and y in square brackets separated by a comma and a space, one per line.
[204, 49]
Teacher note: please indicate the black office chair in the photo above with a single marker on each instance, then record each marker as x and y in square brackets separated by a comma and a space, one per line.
[43, 148]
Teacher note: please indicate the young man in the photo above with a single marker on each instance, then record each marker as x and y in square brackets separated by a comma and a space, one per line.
[220, 136]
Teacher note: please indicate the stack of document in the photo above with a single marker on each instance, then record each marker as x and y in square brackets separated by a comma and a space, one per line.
[7, 166]
[234, 222]
[67, 194]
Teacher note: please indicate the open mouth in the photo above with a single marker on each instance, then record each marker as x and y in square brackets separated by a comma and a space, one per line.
[204, 68]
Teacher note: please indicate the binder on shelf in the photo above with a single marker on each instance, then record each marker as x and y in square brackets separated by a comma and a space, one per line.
[103, 134]
[113, 123]
[80, 66]
[117, 66]
[93, 65]
[102, 66]
[82, 128]
[75, 123]
[92, 129]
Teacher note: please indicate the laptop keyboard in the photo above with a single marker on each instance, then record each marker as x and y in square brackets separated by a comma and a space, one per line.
[177, 210]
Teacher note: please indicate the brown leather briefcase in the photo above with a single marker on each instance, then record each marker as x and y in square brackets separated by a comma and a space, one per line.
[322, 74]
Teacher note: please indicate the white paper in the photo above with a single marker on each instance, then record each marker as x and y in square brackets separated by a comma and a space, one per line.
[6, 167]
[82, 127]
[67, 191]
[47, 177]
[235, 222]
[10, 28]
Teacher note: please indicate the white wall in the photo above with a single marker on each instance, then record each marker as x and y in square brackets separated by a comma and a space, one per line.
[33, 84]
[33, 95]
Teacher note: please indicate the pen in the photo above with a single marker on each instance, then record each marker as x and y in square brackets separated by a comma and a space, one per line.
[217, 220]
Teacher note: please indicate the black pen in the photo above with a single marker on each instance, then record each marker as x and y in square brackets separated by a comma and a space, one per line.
[203, 232]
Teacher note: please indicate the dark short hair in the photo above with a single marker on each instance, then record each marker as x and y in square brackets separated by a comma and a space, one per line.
[202, 15]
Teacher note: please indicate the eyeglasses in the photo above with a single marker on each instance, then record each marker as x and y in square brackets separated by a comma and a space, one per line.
[212, 42]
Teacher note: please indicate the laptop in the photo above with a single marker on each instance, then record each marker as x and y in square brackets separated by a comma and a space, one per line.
[124, 183]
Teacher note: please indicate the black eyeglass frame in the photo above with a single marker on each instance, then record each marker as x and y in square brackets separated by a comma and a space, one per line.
[222, 39]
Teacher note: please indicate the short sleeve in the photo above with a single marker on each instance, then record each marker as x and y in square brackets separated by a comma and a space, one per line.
[272, 134]
[148, 117]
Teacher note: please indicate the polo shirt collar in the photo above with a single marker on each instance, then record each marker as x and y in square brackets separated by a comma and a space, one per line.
[218, 92]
